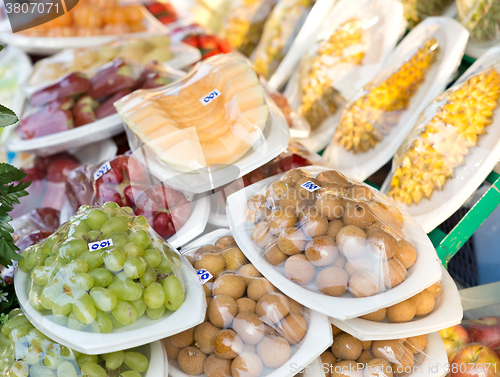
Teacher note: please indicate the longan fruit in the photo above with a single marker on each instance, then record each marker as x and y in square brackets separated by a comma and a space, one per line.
[249, 327]
[225, 241]
[424, 302]
[357, 214]
[191, 360]
[272, 308]
[365, 357]
[280, 220]
[257, 209]
[361, 265]
[291, 177]
[360, 192]
[305, 194]
[293, 328]
[209, 300]
[329, 204]
[376, 316]
[222, 310]
[436, 289]
[346, 368]
[182, 339]
[333, 228]
[291, 201]
[274, 351]
[273, 254]
[206, 249]
[227, 344]
[261, 234]
[406, 254]
[249, 347]
[336, 331]
[381, 244]
[313, 225]
[246, 304]
[233, 257]
[351, 241]
[275, 191]
[208, 292]
[340, 261]
[405, 365]
[299, 270]
[332, 281]
[367, 344]
[394, 273]
[416, 343]
[258, 288]
[378, 367]
[203, 337]
[402, 312]
[332, 176]
[214, 263]
[295, 307]
[172, 351]
[248, 272]
[387, 216]
[247, 365]
[346, 347]
[216, 366]
[394, 352]
[292, 241]
[231, 285]
[363, 286]
[321, 251]
[328, 359]
[190, 259]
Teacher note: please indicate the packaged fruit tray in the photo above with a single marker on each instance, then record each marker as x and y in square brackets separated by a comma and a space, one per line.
[472, 149]
[447, 311]
[206, 130]
[349, 51]
[250, 326]
[421, 67]
[381, 271]
[107, 309]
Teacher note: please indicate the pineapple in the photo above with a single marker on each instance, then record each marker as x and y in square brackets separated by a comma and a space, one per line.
[318, 95]
[367, 120]
[445, 140]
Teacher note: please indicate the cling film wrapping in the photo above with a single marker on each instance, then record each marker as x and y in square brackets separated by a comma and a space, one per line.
[279, 33]
[481, 18]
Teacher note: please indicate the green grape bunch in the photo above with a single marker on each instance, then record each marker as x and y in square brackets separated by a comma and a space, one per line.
[102, 270]
[26, 352]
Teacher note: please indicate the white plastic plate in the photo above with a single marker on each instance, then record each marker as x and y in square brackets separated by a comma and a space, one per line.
[143, 331]
[425, 272]
[452, 38]
[158, 363]
[447, 312]
[479, 162]
[206, 239]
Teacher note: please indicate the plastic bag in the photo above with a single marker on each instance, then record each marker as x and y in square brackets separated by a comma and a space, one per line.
[280, 30]
[250, 326]
[417, 10]
[25, 351]
[216, 124]
[90, 274]
[196, 36]
[244, 23]
[481, 18]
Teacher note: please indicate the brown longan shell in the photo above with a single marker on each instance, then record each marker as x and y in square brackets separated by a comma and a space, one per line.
[346, 347]
[293, 328]
[313, 225]
[436, 289]
[327, 359]
[249, 327]
[233, 257]
[333, 228]
[329, 204]
[261, 235]
[257, 209]
[381, 244]
[393, 351]
[214, 263]
[346, 368]
[258, 288]
[172, 351]
[274, 351]
[367, 344]
[248, 364]
[357, 214]
[424, 302]
[332, 281]
[183, 339]
[360, 193]
[295, 307]
[332, 177]
[394, 273]
[292, 241]
[336, 331]
[340, 261]
[229, 284]
[246, 304]
[248, 272]
[203, 337]
[365, 357]
[216, 366]
[321, 251]
[379, 368]
[376, 316]
[416, 343]
[351, 241]
[402, 312]
[225, 241]
[273, 254]
[272, 308]
[406, 254]
[291, 201]
[291, 177]
[363, 286]
[222, 310]
[227, 344]
[191, 360]
[360, 265]
[280, 220]
[275, 191]
[299, 270]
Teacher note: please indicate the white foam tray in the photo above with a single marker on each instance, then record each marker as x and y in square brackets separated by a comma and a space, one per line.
[425, 272]
[447, 312]
[143, 331]
[158, 363]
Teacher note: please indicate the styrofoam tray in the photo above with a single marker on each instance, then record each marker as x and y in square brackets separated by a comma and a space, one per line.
[51, 45]
[452, 38]
[479, 162]
[158, 363]
[425, 272]
[143, 331]
[447, 312]
[390, 13]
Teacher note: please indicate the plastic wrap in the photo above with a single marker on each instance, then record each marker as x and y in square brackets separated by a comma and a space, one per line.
[206, 130]
[280, 30]
[251, 328]
[417, 10]
[331, 243]
[454, 142]
[25, 351]
[196, 36]
[481, 18]
[379, 116]
[243, 26]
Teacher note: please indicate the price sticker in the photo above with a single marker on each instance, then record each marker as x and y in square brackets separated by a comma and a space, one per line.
[100, 244]
[310, 186]
[214, 94]
[102, 170]
[204, 275]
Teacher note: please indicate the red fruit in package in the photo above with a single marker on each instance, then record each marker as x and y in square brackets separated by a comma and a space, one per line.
[155, 80]
[155, 8]
[79, 188]
[224, 46]
[71, 85]
[210, 54]
[84, 110]
[107, 108]
[192, 40]
[48, 120]
[117, 76]
[168, 19]
[42, 164]
[59, 170]
[208, 42]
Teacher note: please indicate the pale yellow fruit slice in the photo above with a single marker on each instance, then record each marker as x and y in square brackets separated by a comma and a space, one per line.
[153, 123]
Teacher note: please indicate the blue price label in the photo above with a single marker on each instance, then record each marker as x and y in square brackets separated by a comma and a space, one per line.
[100, 244]
[310, 186]
[102, 170]
[204, 275]
[210, 97]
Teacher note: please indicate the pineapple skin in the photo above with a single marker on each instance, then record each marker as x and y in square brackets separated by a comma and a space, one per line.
[445, 140]
[372, 116]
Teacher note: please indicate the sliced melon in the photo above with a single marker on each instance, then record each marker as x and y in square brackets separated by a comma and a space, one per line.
[153, 123]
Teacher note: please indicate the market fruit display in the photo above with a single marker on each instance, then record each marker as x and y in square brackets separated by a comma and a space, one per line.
[102, 270]
[164, 12]
[475, 360]
[92, 18]
[186, 133]
[416, 10]
[25, 351]
[437, 146]
[330, 234]
[318, 98]
[454, 338]
[370, 118]
[250, 328]
[481, 18]
[280, 30]
[418, 306]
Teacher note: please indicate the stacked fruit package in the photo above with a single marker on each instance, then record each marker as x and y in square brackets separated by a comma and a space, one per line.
[417, 10]
[481, 18]
[280, 30]
[251, 328]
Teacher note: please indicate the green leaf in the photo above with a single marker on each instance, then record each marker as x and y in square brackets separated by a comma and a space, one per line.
[7, 117]
[8, 253]
[9, 173]
[1, 47]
